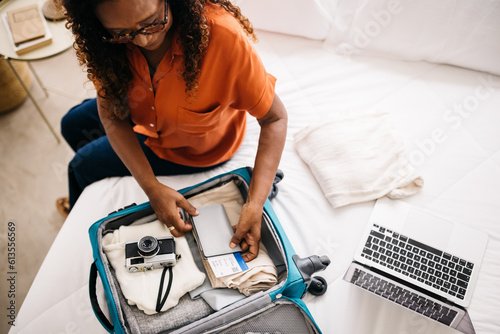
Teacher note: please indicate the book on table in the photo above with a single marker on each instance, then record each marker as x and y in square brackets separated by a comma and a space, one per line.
[27, 29]
[25, 24]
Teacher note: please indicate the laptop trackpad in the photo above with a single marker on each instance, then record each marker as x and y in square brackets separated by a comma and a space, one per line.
[426, 228]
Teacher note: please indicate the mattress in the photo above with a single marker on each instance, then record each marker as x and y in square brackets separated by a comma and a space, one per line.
[448, 120]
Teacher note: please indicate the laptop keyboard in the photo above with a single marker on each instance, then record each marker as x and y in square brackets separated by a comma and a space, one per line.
[416, 260]
[400, 295]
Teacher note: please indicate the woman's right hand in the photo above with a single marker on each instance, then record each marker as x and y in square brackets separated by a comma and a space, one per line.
[166, 202]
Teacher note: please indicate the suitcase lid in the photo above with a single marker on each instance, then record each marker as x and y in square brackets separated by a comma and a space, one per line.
[257, 315]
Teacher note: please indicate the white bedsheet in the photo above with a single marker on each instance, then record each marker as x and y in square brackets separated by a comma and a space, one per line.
[448, 118]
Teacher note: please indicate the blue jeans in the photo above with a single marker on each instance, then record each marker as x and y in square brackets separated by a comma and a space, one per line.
[94, 157]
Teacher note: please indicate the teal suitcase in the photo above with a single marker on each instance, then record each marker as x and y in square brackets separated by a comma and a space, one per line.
[278, 310]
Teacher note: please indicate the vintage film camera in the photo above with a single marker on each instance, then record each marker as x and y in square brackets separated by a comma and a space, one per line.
[150, 253]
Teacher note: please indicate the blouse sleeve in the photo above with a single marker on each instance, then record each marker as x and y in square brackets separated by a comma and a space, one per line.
[249, 86]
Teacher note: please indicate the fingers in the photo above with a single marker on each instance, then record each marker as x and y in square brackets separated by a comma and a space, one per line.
[249, 245]
[237, 238]
[181, 223]
[173, 220]
[247, 232]
[188, 207]
[248, 241]
[243, 244]
[252, 253]
[166, 204]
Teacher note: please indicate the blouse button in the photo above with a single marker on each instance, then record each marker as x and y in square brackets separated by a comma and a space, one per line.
[150, 89]
[152, 108]
[152, 125]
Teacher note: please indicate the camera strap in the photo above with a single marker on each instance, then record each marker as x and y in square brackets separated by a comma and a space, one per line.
[161, 301]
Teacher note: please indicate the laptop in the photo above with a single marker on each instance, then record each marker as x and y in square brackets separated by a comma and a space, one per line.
[421, 262]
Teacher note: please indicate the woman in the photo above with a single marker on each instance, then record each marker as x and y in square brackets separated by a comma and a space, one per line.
[175, 80]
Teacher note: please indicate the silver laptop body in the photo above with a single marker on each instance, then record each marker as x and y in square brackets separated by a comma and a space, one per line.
[419, 261]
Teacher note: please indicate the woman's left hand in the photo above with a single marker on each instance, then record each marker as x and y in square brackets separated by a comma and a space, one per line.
[247, 233]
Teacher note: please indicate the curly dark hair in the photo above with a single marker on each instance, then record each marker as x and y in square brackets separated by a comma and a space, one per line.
[107, 63]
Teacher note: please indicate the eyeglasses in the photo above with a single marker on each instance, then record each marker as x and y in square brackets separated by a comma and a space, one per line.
[148, 30]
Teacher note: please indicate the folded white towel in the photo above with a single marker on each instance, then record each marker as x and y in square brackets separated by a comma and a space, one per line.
[357, 158]
[260, 276]
[141, 288]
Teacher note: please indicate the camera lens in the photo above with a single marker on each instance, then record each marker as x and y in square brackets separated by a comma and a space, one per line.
[148, 246]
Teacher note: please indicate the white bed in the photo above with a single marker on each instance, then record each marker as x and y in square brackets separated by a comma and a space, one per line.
[460, 166]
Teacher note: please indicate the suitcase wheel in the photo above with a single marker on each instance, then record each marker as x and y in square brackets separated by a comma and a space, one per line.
[318, 286]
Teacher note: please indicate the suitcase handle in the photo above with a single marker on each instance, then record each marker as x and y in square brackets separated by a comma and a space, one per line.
[93, 299]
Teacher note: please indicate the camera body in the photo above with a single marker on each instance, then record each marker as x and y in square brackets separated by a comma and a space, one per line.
[150, 253]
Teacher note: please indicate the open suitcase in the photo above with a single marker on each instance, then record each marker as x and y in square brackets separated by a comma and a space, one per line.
[277, 310]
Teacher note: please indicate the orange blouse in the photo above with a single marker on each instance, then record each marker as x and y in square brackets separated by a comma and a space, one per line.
[209, 130]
